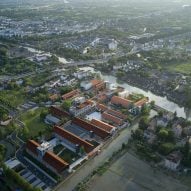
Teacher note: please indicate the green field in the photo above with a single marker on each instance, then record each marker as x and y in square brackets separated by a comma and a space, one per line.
[14, 97]
[33, 122]
[184, 68]
[68, 156]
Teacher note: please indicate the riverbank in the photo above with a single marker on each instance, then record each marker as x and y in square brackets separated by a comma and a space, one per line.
[168, 99]
[153, 86]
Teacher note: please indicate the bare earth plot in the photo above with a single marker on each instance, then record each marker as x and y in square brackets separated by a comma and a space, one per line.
[132, 174]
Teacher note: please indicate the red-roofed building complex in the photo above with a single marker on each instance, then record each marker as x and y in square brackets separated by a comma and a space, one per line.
[103, 125]
[47, 158]
[71, 94]
[72, 141]
[58, 112]
[110, 118]
[90, 127]
[116, 100]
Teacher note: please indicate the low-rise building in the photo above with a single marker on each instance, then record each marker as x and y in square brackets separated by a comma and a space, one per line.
[82, 108]
[116, 100]
[71, 141]
[43, 154]
[91, 128]
[112, 119]
[173, 160]
[58, 113]
[103, 125]
[70, 95]
[51, 120]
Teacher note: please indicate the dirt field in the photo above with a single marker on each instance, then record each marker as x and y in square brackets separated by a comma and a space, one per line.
[132, 174]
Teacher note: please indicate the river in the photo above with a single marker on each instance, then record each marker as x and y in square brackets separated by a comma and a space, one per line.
[161, 101]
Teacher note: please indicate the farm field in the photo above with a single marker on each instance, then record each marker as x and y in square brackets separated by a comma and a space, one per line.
[132, 174]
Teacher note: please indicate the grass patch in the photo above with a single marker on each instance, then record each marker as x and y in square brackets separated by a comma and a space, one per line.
[14, 97]
[39, 79]
[68, 155]
[184, 68]
[57, 149]
[33, 122]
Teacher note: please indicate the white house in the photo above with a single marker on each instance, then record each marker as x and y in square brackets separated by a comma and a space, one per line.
[86, 85]
[113, 45]
[173, 160]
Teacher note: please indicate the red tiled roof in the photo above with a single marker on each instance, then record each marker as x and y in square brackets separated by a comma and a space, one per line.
[109, 117]
[58, 112]
[55, 162]
[53, 97]
[70, 94]
[141, 102]
[120, 101]
[95, 82]
[90, 127]
[102, 107]
[32, 146]
[100, 85]
[117, 114]
[73, 138]
[102, 125]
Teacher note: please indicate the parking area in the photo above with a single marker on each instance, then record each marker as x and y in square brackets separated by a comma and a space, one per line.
[33, 179]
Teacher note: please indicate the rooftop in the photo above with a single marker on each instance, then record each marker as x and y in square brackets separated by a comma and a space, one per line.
[90, 127]
[54, 161]
[73, 138]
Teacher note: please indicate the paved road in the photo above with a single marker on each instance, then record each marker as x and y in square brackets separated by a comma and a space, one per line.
[80, 174]
[106, 153]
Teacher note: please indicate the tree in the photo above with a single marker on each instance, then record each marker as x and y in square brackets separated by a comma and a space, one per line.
[25, 132]
[163, 134]
[187, 155]
[54, 60]
[166, 148]
[137, 134]
[65, 89]
[67, 104]
[43, 114]
[2, 153]
[144, 123]
[152, 104]
[82, 150]
[145, 110]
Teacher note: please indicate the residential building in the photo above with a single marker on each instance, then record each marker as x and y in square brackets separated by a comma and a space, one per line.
[71, 141]
[43, 154]
[103, 125]
[173, 160]
[110, 118]
[51, 120]
[71, 94]
[83, 108]
[90, 127]
[59, 113]
[116, 100]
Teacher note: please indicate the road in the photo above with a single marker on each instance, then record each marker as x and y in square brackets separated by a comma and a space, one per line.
[70, 183]
[106, 153]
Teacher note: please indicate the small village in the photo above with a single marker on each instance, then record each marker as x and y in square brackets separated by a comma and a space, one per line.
[83, 120]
